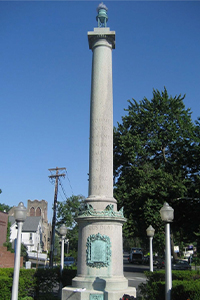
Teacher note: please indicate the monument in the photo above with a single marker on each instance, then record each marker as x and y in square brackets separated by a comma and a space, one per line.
[100, 246]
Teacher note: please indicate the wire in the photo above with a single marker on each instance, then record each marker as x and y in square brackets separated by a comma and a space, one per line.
[69, 182]
[63, 190]
[52, 180]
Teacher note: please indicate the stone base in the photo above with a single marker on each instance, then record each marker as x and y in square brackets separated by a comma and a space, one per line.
[100, 284]
[71, 293]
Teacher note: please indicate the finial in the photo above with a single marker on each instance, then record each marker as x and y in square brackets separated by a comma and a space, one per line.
[102, 16]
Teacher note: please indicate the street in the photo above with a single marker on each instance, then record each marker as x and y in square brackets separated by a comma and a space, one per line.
[134, 272]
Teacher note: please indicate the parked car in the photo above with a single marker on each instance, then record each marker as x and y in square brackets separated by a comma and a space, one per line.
[69, 261]
[178, 264]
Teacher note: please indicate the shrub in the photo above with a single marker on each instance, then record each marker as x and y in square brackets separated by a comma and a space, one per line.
[6, 272]
[68, 275]
[27, 284]
[185, 285]
[185, 290]
[47, 296]
[40, 284]
[155, 290]
[46, 281]
[5, 287]
[184, 275]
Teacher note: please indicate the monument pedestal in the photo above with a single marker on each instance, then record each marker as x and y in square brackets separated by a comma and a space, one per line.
[69, 293]
[100, 257]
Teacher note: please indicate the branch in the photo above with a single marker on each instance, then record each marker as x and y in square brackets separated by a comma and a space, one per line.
[163, 151]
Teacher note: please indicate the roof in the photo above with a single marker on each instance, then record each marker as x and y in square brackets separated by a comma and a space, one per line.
[11, 219]
[30, 224]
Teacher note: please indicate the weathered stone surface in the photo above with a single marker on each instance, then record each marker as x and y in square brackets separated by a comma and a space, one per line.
[100, 247]
[101, 120]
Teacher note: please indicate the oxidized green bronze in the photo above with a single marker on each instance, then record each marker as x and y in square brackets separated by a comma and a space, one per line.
[96, 297]
[102, 16]
[88, 210]
[98, 251]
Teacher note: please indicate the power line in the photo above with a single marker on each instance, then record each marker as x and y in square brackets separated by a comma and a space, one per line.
[62, 187]
[63, 190]
[69, 182]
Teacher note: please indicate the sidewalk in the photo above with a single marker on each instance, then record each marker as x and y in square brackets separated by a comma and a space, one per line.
[195, 268]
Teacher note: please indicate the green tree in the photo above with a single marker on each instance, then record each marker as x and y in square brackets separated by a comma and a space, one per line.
[24, 252]
[8, 244]
[155, 160]
[66, 214]
[4, 207]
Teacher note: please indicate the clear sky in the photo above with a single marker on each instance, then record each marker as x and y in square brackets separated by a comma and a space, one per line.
[45, 80]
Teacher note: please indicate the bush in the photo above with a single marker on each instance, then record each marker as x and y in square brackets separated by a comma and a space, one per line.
[46, 281]
[186, 290]
[155, 290]
[27, 283]
[185, 275]
[40, 284]
[6, 272]
[185, 285]
[5, 287]
[68, 275]
[47, 296]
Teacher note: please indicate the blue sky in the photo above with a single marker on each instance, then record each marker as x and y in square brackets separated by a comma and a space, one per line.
[45, 79]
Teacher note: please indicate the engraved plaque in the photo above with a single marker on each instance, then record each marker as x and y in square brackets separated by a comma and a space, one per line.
[96, 297]
[98, 251]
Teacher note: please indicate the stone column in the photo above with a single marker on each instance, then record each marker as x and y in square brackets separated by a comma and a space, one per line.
[101, 41]
[100, 244]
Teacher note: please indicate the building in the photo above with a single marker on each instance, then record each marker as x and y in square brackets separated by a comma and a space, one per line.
[3, 227]
[31, 233]
[6, 257]
[36, 210]
[39, 209]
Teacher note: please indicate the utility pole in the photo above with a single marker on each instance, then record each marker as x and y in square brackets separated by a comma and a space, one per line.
[56, 176]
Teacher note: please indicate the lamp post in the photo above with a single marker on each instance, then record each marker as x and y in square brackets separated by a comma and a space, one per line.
[150, 233]
[63, 232]
[167, 216]
[20, 216]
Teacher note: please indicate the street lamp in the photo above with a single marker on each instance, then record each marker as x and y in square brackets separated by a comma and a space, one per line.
[20, 216]
[167, 216]
[150, 233]
[63, 232]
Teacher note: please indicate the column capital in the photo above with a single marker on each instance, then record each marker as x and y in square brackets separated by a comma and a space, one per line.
[101, 33]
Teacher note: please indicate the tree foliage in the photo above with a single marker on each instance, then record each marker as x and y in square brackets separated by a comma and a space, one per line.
[4, 207]
[68, 209]
[156, 150]
[66, 214]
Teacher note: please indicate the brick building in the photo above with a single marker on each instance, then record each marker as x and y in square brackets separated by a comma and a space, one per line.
[3, 227]
[6, 257]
